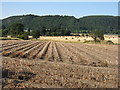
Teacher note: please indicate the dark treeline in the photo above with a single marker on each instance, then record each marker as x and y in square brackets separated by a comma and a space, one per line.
[61, 25]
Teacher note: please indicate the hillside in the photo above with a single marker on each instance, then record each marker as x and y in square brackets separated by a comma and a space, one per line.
[107, 23]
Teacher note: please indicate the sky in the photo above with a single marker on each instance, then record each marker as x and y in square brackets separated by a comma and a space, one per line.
[76, 9]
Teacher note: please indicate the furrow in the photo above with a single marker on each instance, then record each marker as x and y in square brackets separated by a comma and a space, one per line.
[88, 58]
[25, 54]
[42, 53]
[20, 52]
[66, 55]
[49, 55]
[99, 57]
[7, 53]
[34, 53]
[56, 53]
[11, 44]
[14, 46]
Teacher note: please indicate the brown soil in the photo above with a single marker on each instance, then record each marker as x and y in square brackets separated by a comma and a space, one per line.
[40, 64]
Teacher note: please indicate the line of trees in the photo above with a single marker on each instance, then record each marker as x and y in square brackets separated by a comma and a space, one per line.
[17, 30]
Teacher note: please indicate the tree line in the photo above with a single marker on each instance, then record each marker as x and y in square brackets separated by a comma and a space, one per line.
[56, 23]
[18, 30]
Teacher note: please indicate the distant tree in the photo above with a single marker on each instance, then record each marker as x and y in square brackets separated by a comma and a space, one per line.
[67, 32]
[97, 35]
[3, 27]
[0, 33]
[43, 31]
[4, 32]
[23, 36]
[16, 29]
[62, 32]
[36, 33]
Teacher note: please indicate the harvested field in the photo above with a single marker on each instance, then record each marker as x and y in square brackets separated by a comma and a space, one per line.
[113, 38]
[59, 64]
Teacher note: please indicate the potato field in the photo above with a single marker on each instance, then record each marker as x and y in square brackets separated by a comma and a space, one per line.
[59, 64]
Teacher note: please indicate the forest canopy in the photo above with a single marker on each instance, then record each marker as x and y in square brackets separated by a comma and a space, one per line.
[56, 25]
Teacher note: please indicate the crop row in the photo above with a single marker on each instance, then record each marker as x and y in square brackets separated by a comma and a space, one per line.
[70, 53]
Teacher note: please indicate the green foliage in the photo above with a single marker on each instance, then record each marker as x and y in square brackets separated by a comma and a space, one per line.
[36, 33]
[3, 27]
[43, 31]
[0, 33]
[4, 32]
[67, 33]
[82, 25]
[24, 36]
[16, 29]
[97, 35]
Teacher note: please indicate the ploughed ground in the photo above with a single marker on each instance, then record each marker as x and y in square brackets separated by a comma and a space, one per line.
[46, 64]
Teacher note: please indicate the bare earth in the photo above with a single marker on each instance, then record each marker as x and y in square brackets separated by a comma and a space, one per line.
[40, 64]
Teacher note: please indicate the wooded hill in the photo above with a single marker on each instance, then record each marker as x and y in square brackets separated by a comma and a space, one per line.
[109, 24]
